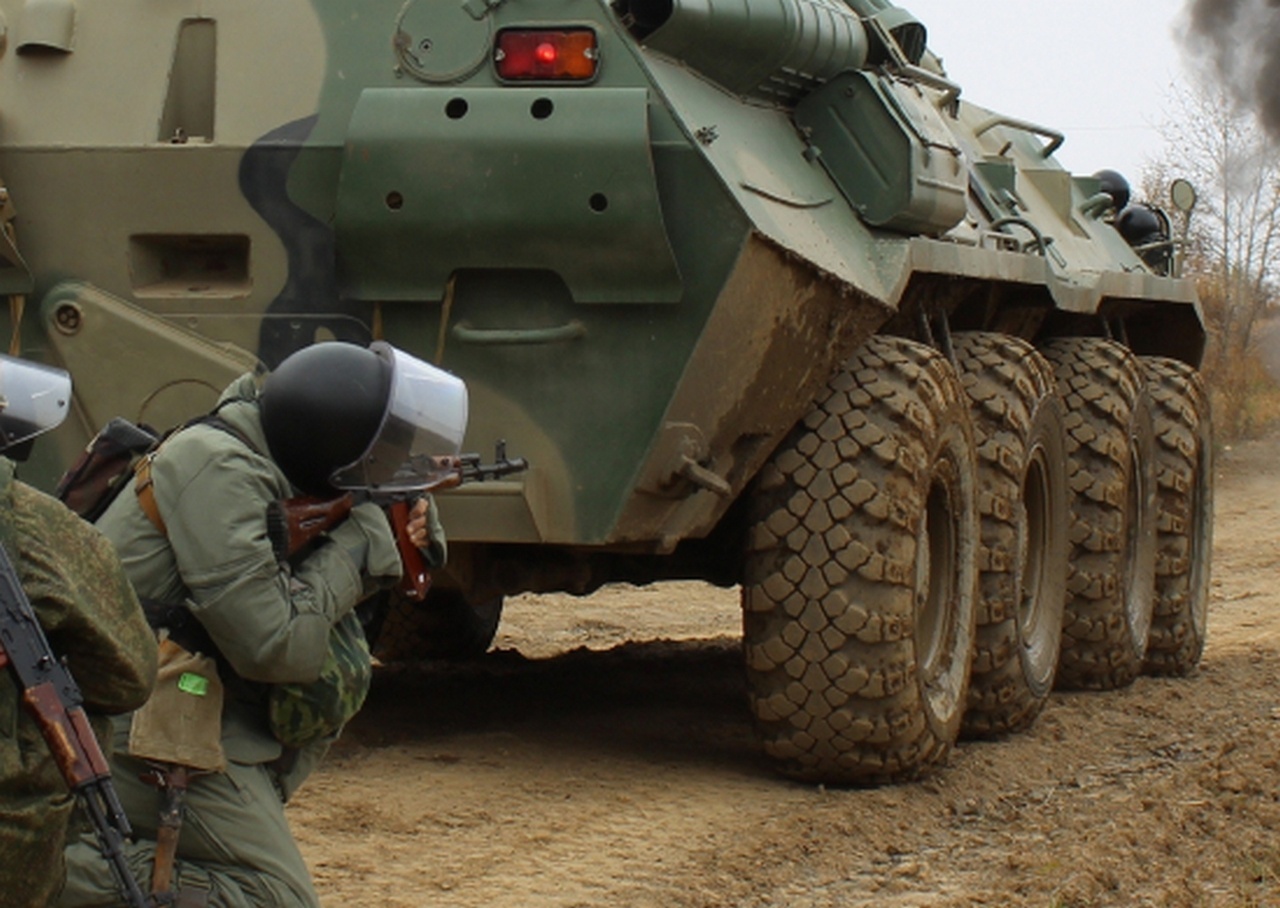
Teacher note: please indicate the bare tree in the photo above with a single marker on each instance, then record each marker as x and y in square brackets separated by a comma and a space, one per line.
[1234, 234]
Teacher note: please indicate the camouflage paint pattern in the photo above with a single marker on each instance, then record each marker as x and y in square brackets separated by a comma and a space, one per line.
[644, 278]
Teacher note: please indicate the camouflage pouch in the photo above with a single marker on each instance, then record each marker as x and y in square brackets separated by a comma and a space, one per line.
[303, 713]
[182, 721]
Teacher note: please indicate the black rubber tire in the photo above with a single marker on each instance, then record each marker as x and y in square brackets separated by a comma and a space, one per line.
[1022, 505]
[445, 626]
[860, 587]
[1110, 464]
[1184, 521]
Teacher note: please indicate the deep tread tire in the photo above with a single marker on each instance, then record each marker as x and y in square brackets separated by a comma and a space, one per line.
[1022, 505]
[860, 586]
[1111, 581]
[446, 626]
[1184, 521]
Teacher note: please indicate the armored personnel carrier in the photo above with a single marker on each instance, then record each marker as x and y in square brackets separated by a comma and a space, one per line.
[760, 294]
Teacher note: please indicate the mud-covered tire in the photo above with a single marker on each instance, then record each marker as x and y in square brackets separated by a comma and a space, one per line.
[1022, 506]
[445, 626]
[1110, 469]
[860, 583]
[1184, 515]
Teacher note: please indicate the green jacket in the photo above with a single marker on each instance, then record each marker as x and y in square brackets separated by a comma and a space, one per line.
[92, 619]
[270, 620]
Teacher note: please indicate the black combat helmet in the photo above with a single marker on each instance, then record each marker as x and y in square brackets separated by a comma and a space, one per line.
[321, 408]
[1115, 185]
[1140, 225]
[338, 416]
[1146, 229]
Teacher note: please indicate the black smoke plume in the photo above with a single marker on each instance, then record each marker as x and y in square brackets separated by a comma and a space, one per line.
[1240, 39]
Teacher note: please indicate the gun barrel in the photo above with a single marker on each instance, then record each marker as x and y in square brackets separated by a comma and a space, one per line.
[475, 471]
[112, 828]
[766, 49]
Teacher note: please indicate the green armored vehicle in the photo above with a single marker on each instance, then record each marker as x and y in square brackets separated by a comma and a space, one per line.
[758, 292]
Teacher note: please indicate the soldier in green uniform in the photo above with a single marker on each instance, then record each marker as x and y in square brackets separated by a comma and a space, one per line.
[288, 655]
[91, 618]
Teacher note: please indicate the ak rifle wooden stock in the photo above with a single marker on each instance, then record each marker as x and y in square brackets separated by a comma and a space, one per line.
[53, 698]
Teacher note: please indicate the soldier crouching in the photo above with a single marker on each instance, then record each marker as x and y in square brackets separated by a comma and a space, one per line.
[262, 656]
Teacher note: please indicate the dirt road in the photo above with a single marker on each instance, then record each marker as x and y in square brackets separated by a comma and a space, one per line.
[603, 757]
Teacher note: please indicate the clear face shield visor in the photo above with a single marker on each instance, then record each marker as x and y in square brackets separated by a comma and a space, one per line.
[33, 399]
[424, 422]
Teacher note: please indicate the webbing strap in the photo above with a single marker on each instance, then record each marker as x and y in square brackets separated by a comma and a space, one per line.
[144, 487]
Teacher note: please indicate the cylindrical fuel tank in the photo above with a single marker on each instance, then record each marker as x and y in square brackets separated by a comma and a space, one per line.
[776, 50]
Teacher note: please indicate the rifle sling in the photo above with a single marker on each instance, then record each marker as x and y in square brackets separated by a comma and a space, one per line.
[144, 488]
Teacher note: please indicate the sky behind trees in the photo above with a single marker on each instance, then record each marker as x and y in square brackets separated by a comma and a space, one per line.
[1098, 70]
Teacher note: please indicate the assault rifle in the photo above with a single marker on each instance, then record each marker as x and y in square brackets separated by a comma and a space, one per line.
[294, 523]
[54, 699]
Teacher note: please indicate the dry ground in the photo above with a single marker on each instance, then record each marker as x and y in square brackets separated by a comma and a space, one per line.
[603, 756]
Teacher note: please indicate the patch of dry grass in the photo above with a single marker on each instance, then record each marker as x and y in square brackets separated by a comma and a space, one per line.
[1245, 398]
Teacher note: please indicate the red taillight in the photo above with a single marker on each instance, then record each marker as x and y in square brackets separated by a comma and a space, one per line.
[543, 54]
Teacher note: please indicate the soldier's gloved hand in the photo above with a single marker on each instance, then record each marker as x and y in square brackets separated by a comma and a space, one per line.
[367, 538]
